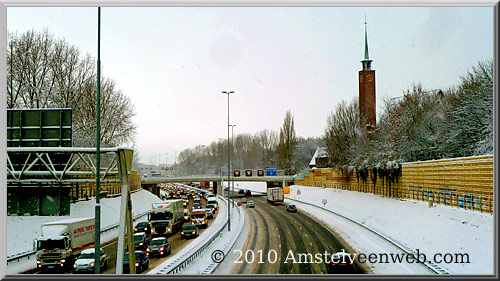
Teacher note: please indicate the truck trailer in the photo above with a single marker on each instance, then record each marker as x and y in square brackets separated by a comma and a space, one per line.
[62, 241]
[166, 217]
[275, 195]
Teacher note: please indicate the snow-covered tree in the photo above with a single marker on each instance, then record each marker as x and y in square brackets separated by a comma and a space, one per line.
[471, 121]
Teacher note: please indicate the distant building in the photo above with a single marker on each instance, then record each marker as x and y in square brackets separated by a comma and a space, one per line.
[319, 159]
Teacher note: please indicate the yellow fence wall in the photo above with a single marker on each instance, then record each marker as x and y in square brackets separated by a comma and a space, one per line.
[462, 182]
[87, 190]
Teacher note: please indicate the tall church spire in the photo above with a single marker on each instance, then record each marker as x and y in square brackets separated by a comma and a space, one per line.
[367, 98]
[366, 43]
[367, 61]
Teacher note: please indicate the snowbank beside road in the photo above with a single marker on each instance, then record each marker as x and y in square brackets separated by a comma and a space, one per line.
[441, 229]
[21, 230]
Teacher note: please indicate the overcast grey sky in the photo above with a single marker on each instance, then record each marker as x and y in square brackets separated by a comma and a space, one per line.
[174, 62]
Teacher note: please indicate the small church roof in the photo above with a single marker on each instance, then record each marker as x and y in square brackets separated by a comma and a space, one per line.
[319, 153]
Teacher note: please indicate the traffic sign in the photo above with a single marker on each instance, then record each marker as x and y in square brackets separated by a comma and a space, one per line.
[270, 172]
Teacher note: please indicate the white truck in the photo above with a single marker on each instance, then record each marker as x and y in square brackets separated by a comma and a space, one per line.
[62, 241]
[275, 195]
[166, 217]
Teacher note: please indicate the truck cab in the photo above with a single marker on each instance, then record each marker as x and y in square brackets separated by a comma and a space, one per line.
[199, 217]
[61, 241]
[51, 253]
[166, 217]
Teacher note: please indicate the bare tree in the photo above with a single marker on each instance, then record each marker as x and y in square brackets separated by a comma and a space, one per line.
[343, 127]
[287, 143]
[47, 73]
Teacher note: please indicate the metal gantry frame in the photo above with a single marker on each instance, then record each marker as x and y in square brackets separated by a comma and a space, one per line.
[36, 165]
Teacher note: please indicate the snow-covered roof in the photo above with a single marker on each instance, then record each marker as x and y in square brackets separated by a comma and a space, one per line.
[91, 251]
[159, 238]
[319, 153]
[68, 220]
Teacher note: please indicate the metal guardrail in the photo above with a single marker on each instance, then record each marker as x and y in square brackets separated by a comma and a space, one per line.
[190, 256]
[18, 256]
[430, 265]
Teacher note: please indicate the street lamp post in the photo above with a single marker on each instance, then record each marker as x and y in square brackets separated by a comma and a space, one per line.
[97, 242]
[232, 150]
[228, 165]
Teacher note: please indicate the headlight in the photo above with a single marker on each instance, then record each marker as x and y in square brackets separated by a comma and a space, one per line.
[135, 229]
[136, 264]
[91, 264]
[161, 249]
[63, 261]
[194, 232]
[145, 228]
[169, 229]
[182, 232]
[147, 250]
[140, 244]
[75, 265]
[38, 262]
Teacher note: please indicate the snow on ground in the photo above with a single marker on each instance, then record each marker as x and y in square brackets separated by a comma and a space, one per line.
[22, 230]
[441, 229]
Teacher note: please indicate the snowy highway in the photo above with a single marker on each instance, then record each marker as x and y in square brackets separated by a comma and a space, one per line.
[273, 229]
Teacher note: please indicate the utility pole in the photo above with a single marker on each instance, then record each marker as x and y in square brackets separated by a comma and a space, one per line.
[228, 167]
[97, 243]
[232, 150]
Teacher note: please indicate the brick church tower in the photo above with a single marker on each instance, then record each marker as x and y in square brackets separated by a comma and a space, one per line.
[367, 90]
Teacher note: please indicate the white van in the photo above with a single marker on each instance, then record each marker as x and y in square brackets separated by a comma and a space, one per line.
[213, 200]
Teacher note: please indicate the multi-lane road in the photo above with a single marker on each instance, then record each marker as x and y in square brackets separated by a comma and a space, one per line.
[273, 232]
[274, 238]
[175, 241]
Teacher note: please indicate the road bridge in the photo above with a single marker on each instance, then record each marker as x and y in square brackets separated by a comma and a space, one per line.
[218, 179]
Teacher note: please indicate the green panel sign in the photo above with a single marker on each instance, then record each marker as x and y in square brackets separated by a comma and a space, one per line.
[39, 127]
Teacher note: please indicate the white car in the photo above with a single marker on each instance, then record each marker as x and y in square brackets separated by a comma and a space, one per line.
[86, 262]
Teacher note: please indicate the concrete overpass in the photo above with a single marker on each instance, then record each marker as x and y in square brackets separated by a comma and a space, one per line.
[217, 179]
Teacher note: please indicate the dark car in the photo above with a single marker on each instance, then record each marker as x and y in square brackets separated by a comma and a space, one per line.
[143, 226]
[159, 246]
[248, 193]
[241, 191]
[291, 208]
[210, 214]
[141, 240]
[340, 264]
[189, 231]
[141, 262]
[196, 206]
